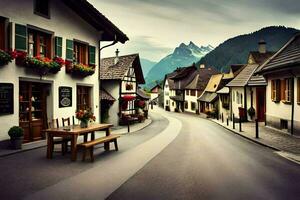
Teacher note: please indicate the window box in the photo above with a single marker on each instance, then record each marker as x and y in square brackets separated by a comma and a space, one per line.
[78, 69]
[6, 57]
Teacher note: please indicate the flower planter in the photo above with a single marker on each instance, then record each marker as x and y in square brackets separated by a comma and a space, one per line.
[16, 142]
[6, 57]
[79, 70]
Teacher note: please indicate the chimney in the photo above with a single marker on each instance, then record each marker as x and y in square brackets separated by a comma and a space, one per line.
[117, 56]
[202, 66]
[262, 46]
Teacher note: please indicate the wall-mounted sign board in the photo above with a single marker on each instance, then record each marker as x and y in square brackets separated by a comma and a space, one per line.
[6, 98]
[65, 97]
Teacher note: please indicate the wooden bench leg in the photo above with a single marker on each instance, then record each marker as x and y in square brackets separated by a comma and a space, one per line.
[84, 154]
[92, 154]
[85, 137]
[106, 146]
[116, 145]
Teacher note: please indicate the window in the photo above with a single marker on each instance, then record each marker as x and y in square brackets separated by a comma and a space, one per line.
[41, 7]
[39, 44]
[173, 103]
[80, 54]
[193, 93]
[193, 105]
[167, 102]
[186, 105]
[288, 90]
[233, 96]
[167, 93]
[83, 97]
[275, 90]
[237, 97]
[187, 92]
[298, 90]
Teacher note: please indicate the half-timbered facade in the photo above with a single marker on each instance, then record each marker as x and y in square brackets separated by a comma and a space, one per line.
[120, 76]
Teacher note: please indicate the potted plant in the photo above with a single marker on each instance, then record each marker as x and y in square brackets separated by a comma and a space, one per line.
[251, 112]
[6, 57]
[85, 116]
[16, 134]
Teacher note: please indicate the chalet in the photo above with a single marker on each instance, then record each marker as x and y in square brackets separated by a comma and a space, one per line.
[181, 78]
[37, 86]
[248, 90]
[196, 87]
[208, 101]
[120, 76]
[168, 91]
[282, 73]
[154, 92]
[223, 93]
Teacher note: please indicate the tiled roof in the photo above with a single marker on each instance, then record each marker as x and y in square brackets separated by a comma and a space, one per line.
[257, 80]
[104, 95]
[243, 77]
[201, 79]
[287, 56]
[111, 71]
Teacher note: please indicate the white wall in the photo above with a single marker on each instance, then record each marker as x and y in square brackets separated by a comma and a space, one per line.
[113, 88]
[64, 23]
[190, 99]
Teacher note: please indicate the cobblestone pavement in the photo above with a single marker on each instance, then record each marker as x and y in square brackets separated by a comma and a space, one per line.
[267, 135]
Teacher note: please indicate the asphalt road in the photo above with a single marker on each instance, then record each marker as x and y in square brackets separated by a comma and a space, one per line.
[207, 161]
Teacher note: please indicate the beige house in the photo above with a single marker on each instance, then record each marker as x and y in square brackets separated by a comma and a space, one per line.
[247, 90]
[282, 73]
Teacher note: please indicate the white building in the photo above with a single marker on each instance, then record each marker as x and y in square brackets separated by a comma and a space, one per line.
[72, 30]
[120, 76]
[282, 72]
[247, 91]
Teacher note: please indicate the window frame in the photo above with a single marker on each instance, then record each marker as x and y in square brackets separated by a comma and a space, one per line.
[82, 53]
[39, 13]
[37, 43]
[82, 92]
[193, 93]
[288, 90]
[193, 106]
[276, 90]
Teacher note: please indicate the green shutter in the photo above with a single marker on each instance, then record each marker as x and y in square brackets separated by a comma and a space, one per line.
[69, 51]
[58, 47]
[20, 37]
[92, 55]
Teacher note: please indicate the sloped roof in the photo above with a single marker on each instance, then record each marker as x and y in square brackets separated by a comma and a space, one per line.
[104, 95]
[92, 16]
[201, 79]
[259, 58]
[243, 77]
[257, 80]
[224, 90]
[184, 72]
[287, 56]
[214, 82]
[208, 97]
[142, 94]
[111, 71]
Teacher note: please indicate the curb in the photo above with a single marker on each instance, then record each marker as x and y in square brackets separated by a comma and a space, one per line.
[250, 139]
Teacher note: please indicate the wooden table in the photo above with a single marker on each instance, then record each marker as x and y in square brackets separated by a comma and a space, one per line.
[74, 131]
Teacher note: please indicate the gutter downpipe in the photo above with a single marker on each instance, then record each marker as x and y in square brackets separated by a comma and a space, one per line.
[293, 103]
[99, 61]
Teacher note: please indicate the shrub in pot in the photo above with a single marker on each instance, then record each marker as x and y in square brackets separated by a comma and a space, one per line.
[16, 134]
[251, 112]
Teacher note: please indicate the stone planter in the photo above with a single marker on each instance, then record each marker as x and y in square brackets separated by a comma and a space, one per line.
[16, 142]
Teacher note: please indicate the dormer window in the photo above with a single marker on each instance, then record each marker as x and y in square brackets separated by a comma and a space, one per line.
[41, 7]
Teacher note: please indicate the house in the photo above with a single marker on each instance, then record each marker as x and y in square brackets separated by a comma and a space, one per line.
[154, 92]
[196, 87]
[37, 86]
[224, 92]
[120, 77]
[181, 78]
[247, 90]
[168, 91]
[282, 74]
[208, 101]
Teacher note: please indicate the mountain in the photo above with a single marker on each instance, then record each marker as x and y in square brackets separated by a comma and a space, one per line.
[183, 55]
[147, 65]
[236, 50]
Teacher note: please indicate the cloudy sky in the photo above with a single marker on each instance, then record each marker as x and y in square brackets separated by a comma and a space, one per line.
[156, 27]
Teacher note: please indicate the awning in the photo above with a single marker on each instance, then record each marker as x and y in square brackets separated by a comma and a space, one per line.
[142, 95]
[128, 98]
[224, 90]
[104, 95]
[208, 97]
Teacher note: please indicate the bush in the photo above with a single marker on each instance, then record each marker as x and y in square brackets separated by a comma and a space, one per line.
[16, 131]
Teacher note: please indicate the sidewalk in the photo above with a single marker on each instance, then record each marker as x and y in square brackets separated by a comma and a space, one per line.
[5, 151]
[289, 146]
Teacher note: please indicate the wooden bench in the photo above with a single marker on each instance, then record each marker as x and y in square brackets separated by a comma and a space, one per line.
[90, 145]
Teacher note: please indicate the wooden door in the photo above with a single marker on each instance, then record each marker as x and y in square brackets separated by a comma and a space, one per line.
[261, 103]
[33, 111]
